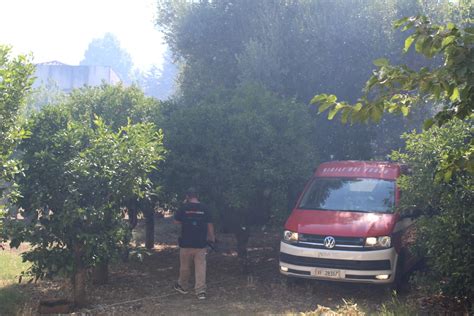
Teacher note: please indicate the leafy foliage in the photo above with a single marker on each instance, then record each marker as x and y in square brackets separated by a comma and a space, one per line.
[79, 171]
[446, 230]
[287, 47]
[15, 81]
[115, 104]
[399, 88]
[76, 180]
[293, 48]
[245, 150]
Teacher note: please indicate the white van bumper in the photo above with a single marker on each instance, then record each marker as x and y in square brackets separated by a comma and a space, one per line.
[374, 266]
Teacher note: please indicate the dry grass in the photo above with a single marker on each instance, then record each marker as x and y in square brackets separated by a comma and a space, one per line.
[145, 288]
[11, 295]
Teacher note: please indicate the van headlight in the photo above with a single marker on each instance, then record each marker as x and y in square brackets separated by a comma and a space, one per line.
[290, 236]
[378, 242]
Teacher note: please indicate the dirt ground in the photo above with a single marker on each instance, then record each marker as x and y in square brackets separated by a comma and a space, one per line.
[145, 288]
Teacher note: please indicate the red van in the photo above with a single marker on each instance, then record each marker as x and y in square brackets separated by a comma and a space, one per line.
[344, 226]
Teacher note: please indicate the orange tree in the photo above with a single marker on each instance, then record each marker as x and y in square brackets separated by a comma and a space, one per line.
[116, 105]
[77, 175]
[15, 81]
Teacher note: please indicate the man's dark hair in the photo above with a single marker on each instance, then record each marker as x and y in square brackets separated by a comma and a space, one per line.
[191, 192]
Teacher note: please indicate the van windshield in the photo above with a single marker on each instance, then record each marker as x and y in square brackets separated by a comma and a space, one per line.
[349, 194]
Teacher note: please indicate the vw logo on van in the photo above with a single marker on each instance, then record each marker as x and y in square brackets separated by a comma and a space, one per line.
[329, 242]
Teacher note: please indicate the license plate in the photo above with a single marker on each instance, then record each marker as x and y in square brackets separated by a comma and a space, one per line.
[328, 273]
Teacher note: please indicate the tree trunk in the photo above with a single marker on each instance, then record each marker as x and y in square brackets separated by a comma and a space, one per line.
[100, 273]
[242, 235]
[79, 278]
[125, 255]
[132, 217]
[150, 229]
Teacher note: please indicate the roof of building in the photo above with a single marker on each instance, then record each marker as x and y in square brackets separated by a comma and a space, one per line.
[53, 63]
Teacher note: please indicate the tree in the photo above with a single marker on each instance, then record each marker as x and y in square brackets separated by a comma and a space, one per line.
[77, 176]
[224, 43]
[291, 48]
[115, 104]
[15, 82]
[158, 82]
[107, 51]
[399, 89]
[247, 151]
[150, 81]
[446, 229]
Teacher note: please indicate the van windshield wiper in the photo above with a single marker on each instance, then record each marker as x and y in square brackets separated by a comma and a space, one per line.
[332, 209]
[356, 211]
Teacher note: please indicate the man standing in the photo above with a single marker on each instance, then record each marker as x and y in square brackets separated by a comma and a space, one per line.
[196, 231]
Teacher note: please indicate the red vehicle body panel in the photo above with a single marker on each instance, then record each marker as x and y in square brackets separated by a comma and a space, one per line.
[347, 224]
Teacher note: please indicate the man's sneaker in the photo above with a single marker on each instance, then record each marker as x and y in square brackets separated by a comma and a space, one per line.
[180, 289]
[201, 296]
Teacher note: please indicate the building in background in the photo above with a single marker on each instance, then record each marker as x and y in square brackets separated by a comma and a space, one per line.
[69, 77]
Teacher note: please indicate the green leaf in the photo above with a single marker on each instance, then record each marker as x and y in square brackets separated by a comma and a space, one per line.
[428, 49]
[323, 107]
[376, 113]
[332, 98]
[371, 82]
[428, 123]
[405, 110]
[447, 175]
[455, 95]
[419, 43]
[408, 42]
[381, 62]
[408, 26]
[448, 40]
[332, 113]
[437, 91]
[345, 115]
[451, 26]
[318, 98]
[357, 107]
[400, 22]
[341, 106]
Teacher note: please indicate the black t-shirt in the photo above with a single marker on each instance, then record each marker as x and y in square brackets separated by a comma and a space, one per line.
[194, 218]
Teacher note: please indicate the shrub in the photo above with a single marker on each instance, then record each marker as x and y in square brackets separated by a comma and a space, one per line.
[446, 228]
